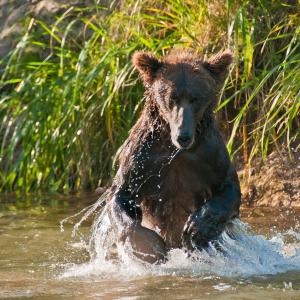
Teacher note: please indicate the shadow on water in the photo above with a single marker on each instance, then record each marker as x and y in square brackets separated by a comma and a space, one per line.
[38, 261]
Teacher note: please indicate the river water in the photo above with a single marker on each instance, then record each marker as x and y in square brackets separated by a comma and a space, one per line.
[40, 261]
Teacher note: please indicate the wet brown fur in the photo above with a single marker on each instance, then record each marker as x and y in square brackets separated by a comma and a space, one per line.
[152, 119]
[172, 191]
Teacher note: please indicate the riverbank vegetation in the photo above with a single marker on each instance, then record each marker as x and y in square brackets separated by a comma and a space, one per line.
[69, 94]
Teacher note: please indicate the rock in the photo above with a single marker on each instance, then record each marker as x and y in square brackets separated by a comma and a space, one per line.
[14, 12]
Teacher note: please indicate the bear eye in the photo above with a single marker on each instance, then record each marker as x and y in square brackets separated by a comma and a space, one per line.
[194, 99]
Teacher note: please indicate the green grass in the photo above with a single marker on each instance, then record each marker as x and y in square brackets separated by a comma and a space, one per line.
[69, 94]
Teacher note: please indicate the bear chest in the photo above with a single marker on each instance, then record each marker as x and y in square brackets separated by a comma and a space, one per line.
[181, 185]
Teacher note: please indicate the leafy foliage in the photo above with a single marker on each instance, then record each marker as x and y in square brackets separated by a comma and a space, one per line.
[69, 94]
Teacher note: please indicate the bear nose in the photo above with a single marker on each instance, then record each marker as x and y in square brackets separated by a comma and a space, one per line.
[184, 140]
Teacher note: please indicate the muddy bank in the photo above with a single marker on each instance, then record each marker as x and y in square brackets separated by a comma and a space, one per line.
[274, 182]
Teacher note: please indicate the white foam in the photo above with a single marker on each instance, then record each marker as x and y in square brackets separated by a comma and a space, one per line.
[246, 254]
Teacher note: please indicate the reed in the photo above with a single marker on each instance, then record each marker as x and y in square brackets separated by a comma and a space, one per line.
[69, 94]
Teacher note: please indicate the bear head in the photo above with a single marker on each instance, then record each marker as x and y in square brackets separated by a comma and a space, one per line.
[184, 88]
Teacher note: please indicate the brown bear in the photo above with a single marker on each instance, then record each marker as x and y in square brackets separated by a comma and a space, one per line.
[176, 186]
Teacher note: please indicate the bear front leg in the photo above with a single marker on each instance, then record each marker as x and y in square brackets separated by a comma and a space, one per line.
[209, 222]
[141, 242]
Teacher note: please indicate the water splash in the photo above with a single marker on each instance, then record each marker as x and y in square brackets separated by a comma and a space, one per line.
[84, 214]
[167, 163]
[242, 254]
[239, 252]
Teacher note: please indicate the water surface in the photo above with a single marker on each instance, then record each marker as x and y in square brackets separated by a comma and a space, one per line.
[38, 261]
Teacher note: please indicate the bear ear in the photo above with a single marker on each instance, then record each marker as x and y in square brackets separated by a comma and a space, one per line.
[218, 64]
[147, 64]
